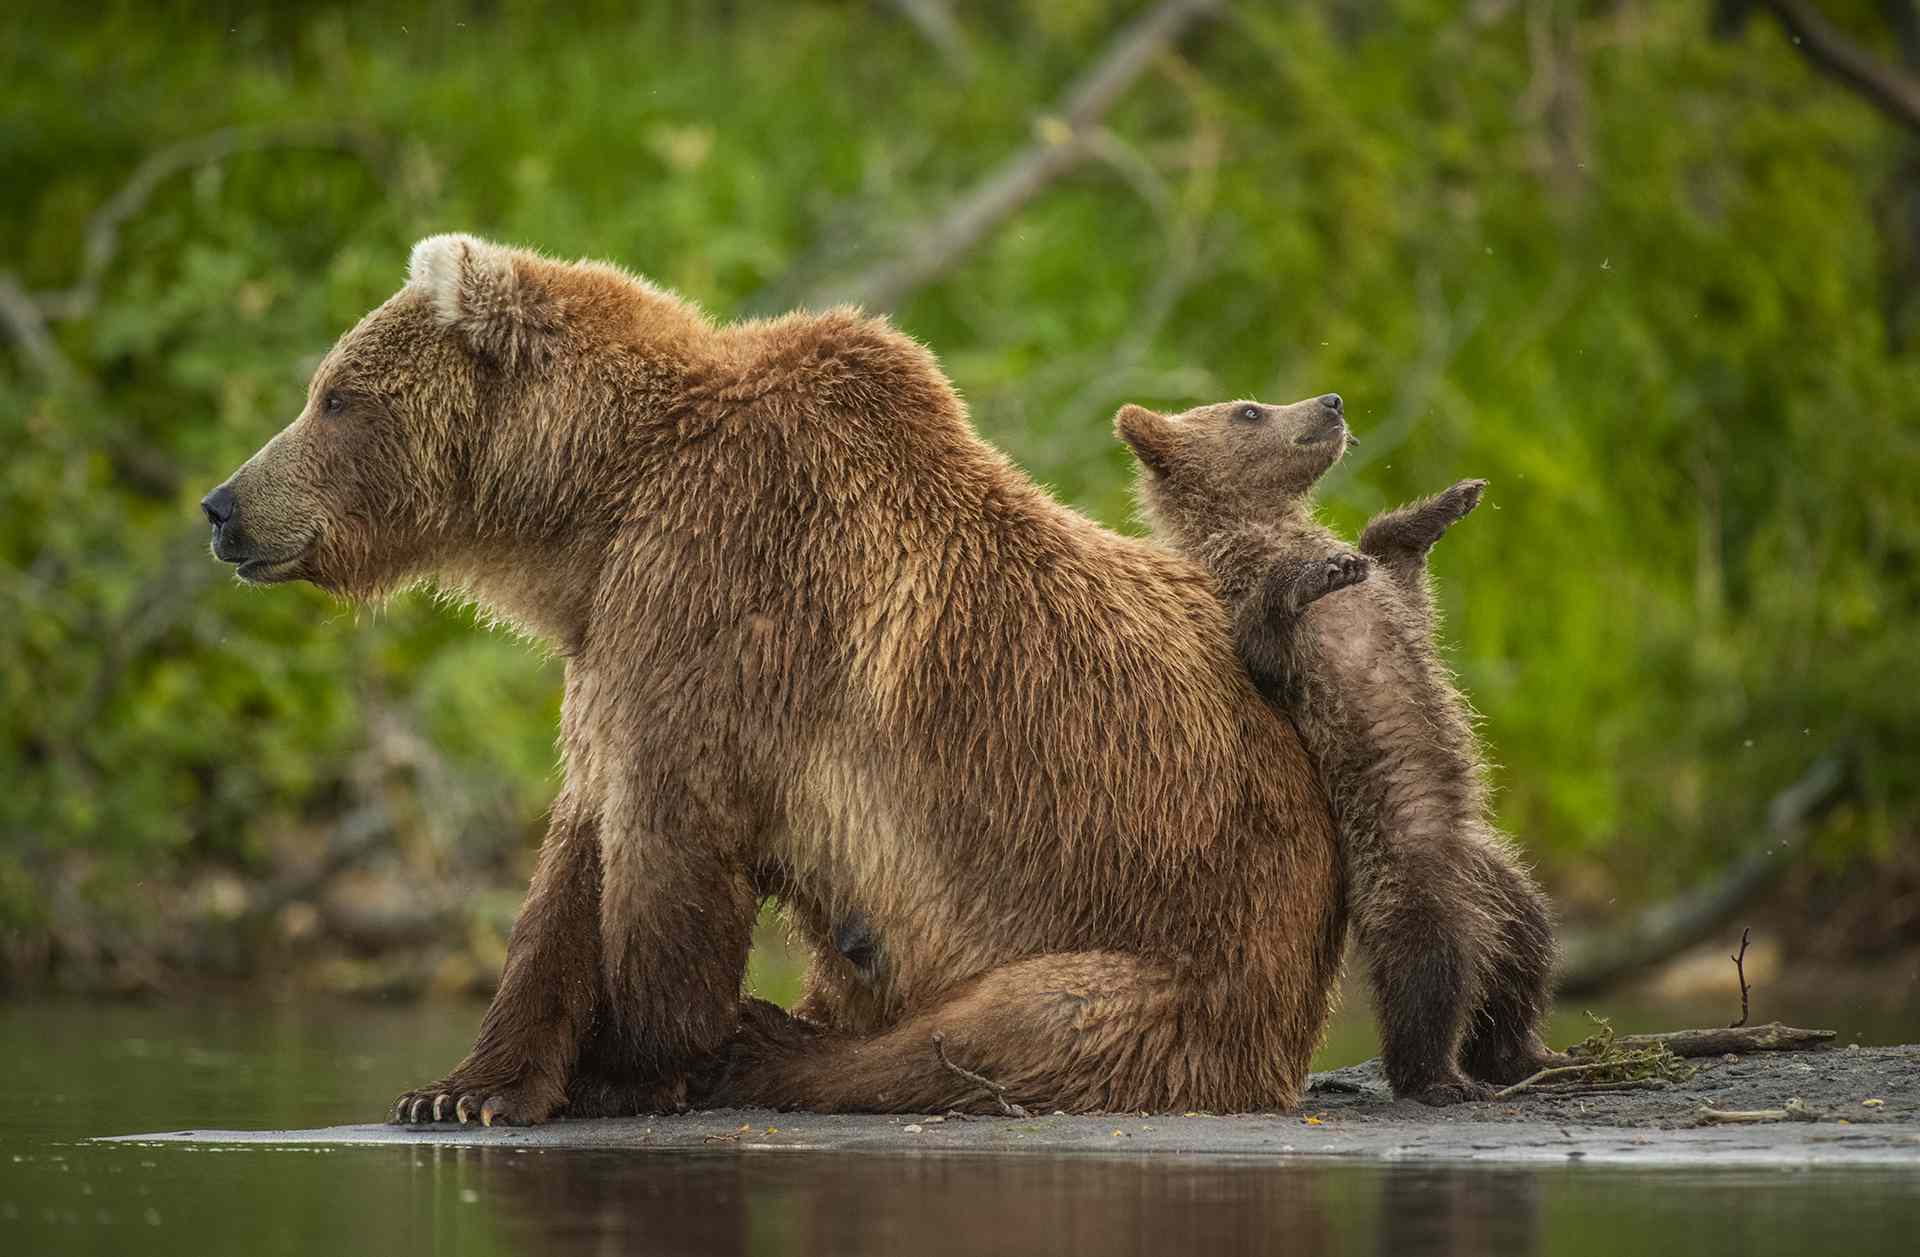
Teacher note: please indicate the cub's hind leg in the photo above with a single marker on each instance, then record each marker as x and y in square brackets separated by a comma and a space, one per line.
[1424, 956]
[1504, 1043]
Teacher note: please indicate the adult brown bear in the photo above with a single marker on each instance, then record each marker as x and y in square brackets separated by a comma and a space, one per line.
[824, 643]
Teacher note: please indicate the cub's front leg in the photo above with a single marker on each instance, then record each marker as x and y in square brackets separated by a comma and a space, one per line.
[1402, 537]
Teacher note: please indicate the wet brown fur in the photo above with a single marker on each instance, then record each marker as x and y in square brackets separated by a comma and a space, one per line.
[1457, 935]
[823, 643]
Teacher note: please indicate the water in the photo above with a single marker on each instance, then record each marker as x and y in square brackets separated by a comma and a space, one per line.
[78, 1070]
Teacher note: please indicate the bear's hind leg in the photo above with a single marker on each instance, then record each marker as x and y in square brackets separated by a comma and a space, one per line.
[520, 1067]
[1082, 1031]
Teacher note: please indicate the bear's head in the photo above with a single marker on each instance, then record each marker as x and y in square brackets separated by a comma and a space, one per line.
[1232, 459]
[458, 424]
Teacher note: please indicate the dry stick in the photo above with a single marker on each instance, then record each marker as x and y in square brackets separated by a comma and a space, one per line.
[996, 1089]
[1598, 961]
[1560, 1071]
[1740, 968]
[1598, 1088]
[1830, 50]
[1060, 146]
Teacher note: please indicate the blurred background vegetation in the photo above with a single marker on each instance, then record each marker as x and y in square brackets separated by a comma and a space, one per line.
[1648, 265]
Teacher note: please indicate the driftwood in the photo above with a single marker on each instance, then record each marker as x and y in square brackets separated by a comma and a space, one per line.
[1599, 960]
[1796, 1110]
[1772, 1037]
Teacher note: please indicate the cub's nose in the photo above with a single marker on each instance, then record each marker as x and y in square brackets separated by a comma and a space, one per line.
[1332, 402]
[218, 505]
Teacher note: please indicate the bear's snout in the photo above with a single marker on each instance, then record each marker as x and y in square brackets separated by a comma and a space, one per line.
[222, 508]
[219, 506]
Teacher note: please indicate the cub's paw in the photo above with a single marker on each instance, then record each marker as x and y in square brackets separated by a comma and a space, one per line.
[1518, 1066]
[455, 1101]
[1327, 575]
[1453, 1091]
[1458, 502]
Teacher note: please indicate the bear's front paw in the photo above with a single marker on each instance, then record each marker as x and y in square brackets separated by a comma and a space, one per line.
[464, 1101]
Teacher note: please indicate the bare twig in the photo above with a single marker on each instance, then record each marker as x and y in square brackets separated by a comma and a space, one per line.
[25, 315]
[1831, 51]
[27, 324]
[996, 1089]
[1061, 143]
[1740, 968]
[1595, 961]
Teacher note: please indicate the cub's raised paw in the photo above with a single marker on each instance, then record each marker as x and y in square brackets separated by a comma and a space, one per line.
[452, 1102]
[1459, 501]
[1327, 575]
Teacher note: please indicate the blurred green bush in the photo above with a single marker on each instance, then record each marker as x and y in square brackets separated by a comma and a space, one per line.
[1634, 276]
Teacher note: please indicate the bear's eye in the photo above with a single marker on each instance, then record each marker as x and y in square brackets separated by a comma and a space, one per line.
[1250, 414]
[334, 403]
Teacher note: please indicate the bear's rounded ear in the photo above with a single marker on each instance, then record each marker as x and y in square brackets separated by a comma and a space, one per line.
[1149, 434]
[485, 292]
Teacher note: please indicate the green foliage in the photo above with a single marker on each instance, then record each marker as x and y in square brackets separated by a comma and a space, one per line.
[1642, 293]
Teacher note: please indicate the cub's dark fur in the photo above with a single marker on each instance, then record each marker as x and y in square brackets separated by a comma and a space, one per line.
[1457, 934]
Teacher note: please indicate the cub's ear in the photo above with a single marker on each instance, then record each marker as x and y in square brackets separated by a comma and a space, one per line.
[1150, 435]
[491, 295]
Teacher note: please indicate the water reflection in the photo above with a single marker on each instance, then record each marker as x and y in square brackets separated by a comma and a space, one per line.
[812, 1203]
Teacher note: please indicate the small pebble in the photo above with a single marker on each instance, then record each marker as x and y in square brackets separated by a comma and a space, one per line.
[914, 1128]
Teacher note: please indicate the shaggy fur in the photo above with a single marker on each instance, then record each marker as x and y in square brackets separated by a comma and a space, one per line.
[823, 643]
[1457, 934]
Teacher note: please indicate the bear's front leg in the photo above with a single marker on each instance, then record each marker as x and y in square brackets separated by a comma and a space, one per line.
[677, 909]
[520, 1066]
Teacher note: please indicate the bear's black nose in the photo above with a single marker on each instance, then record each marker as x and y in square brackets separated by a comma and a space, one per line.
[218, 505]
[1332, 402]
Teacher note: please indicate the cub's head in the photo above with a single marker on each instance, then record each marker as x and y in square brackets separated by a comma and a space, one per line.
[450, 418]
[1232, 459]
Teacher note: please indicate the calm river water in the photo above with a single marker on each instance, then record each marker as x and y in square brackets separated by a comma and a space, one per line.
[82, 1070]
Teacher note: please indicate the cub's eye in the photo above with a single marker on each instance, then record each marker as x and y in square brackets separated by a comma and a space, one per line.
[1250, 414]
[333, 403]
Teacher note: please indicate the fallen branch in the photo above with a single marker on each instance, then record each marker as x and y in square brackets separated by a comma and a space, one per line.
[998, 1090]
[1062, 142]
[1772, 1037]
[1596, 961]
[1796, 1110]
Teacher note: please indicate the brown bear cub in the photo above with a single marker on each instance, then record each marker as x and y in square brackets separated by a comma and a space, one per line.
[1457, 934]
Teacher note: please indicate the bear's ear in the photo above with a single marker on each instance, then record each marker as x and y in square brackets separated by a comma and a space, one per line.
[487, 293]
[1150, 435]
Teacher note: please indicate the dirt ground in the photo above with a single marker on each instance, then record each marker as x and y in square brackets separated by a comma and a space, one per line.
[1347, 1113]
